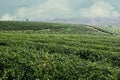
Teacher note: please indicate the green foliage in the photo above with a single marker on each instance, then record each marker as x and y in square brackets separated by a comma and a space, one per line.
[45, 27]
[54, 51]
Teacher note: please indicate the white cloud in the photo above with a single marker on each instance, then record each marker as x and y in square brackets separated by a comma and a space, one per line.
[63, 9]
[7, 17]
[49, 9]
[99, 9]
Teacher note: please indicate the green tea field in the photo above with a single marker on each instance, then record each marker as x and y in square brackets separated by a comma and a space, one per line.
[56, 51]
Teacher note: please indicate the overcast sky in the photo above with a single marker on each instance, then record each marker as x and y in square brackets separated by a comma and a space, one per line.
[38, 9]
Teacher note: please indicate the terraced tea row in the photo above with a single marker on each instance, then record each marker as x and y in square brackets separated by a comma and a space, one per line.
[112, 29]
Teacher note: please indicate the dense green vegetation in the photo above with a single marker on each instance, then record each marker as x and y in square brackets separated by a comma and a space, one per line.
[54, 51]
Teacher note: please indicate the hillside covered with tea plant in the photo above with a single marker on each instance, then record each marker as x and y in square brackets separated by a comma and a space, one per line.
[56, 51]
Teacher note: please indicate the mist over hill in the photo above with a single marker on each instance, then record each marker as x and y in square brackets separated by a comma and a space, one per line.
[90, 21]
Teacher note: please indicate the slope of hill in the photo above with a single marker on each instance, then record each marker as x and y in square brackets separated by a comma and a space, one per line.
[45, 27]
[54, 51]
